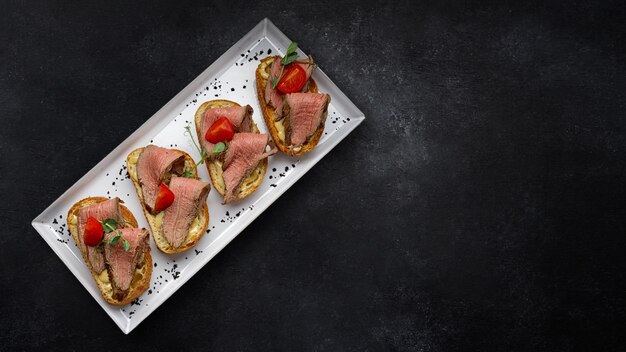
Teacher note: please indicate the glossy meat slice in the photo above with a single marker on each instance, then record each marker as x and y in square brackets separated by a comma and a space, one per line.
[303, 115]
[121, 264]
[243, 154]
[189, 197]
[156, 165]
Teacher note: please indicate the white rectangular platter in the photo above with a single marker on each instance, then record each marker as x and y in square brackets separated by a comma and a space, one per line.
[231, 77]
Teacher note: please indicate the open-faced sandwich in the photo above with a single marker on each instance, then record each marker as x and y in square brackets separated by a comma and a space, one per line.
[293, 110]
[234, 150]
[172, 197]
[116, 252]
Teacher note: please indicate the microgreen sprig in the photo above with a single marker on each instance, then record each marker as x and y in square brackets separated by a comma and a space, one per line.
[109, 225]
[116, 238]
[218, 148]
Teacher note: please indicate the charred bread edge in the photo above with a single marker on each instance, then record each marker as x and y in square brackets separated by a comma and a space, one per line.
[251, 184]
[136, 287]
[159, 239]
[268, 114]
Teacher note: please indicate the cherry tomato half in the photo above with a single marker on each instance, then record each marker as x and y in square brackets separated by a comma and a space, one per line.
[93, 232]
[293, 79]
[165, 198]
[220, 131]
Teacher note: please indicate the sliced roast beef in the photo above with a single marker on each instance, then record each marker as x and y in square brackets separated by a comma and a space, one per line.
[308, 67]
[156, 165]
[109, 209]
[243, 154]
[272, 95]
[121, 264]
[304, 112]
[239, 116]
[189, 197]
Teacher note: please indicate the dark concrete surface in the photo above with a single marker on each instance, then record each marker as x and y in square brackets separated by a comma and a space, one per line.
[480, 207]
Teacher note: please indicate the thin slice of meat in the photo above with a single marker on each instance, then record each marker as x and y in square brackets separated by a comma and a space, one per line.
[243, 154]
[156, 165]
[239, 116]
[189, 197]
[303, 115]
[272, 96]
[121, 264]
[109, 209]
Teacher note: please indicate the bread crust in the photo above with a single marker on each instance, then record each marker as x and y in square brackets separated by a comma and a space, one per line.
[269, 113]
[138, 286]
[159, 238]
[214, 167]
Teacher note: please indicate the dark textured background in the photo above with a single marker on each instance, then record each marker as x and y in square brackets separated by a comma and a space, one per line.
[480, 206]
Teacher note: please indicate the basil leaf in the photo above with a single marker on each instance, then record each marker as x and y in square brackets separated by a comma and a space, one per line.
[188, 174]
[113, 240]
[289, 58]
[219, 147]
[126, 245]
[109, 225]
[292, 48]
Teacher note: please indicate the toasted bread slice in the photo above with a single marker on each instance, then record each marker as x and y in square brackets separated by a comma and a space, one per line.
[276, 128]
[252, 181]
[198, 226]
[141, 279]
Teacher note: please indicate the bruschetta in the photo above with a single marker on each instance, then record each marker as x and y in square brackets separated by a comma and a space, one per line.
[293, 109]
[172, 197]
[116, 252]
[237, 170]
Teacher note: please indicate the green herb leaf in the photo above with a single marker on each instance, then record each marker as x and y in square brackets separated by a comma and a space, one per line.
[292, 48]
[126, 245]
[109, 225]
[219, 147]
[289, 58]
[113, 240]
[188, 174]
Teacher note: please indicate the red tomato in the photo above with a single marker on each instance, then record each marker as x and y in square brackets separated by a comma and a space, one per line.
[220, 131]
[165, 198]
[93, 232]
[293, 79]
